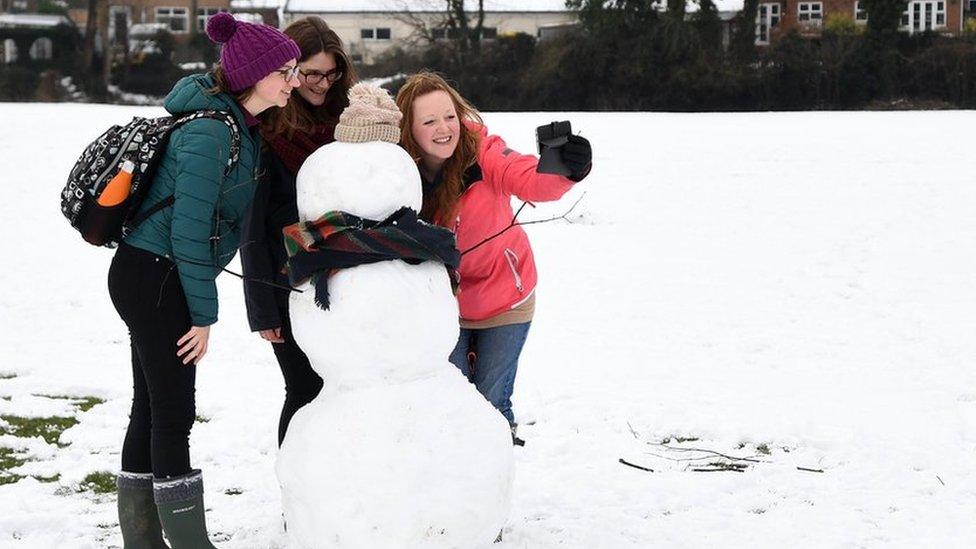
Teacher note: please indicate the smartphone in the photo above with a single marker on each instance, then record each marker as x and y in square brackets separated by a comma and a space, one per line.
[553, 134]
[550, 138]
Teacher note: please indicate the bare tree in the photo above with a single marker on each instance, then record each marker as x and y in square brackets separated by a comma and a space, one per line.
[96, 29]
[445, 19]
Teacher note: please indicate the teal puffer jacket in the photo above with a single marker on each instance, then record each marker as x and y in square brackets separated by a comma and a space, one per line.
[201, 231]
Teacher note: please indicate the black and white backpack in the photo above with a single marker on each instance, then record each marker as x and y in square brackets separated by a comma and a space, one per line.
[143, 142]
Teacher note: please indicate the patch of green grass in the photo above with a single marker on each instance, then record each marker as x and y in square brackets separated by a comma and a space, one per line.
[99, 482]
[202, 419]
[9, 478]
[7, 398]
[7, 375]
[54, 478]
[763, 449]
[233, 491]
[83, 403]
[9, 460]
[48, 428]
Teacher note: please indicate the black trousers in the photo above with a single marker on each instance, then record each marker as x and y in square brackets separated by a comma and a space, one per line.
[302, 384]
[147, 294]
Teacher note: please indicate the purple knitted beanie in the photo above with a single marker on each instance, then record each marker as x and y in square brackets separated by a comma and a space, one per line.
[249, 52]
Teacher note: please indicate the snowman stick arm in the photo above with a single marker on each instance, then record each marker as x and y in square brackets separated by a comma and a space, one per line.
[515, 222]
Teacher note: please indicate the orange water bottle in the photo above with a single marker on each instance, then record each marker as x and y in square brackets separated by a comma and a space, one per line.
[118, 188]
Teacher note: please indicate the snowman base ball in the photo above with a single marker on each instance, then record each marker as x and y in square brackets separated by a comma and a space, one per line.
[398, 450]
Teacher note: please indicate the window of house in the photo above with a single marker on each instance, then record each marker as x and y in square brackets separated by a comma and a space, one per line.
[42, 49]
[9, 51]
[767, 17]
[441, 33]
[203, 14]
[118, 16]
[925, 15]
[20, 4]
[178, 19]
[860, 14]
[809, 11]
[972, 5]
[378, 33]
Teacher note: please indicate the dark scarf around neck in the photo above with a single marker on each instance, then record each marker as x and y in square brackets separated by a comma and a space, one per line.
[339, 240]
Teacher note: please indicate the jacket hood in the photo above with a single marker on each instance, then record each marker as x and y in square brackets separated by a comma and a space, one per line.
[190, 94]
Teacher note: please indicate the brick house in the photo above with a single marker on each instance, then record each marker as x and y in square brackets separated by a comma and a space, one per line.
[807, 17]
[180, 17]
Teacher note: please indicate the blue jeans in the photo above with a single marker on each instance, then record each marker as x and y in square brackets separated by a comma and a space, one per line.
[493, 373]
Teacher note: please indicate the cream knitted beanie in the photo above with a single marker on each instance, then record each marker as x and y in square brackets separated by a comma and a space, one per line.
[372, 115]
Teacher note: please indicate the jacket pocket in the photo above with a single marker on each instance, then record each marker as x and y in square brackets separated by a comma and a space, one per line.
[513, 261]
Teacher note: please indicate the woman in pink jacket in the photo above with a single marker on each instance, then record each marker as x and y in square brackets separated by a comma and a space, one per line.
[469, 177]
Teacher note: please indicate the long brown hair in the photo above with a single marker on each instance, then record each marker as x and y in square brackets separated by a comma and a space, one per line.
[222, 85]
[313, 36]
[441, 206]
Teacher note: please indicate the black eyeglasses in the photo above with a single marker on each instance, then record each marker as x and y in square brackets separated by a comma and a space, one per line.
[314, 77]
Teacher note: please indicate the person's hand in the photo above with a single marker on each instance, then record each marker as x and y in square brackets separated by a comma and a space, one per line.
[272, 334]
[577, 155]
[193, 344]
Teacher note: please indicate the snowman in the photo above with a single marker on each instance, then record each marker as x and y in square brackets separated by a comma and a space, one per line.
[398, 450]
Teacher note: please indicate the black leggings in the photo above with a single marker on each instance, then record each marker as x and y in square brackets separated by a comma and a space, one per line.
[147, 294]
[302, 384]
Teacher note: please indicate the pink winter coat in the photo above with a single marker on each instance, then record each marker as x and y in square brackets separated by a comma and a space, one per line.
[500, 275]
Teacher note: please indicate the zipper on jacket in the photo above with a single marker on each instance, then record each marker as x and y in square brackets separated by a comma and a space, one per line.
[513, 265]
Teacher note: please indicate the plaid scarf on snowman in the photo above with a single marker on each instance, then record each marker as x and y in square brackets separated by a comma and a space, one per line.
[340, 240]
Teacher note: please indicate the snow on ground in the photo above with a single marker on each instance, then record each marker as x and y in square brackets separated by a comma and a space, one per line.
[797, 288]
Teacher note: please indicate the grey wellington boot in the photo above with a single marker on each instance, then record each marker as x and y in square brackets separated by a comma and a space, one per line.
[138, 518]
[180, 504]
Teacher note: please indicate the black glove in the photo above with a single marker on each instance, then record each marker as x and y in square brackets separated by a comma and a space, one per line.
[577, 155]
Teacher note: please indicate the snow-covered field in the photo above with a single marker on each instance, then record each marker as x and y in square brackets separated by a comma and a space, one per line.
[795, 288]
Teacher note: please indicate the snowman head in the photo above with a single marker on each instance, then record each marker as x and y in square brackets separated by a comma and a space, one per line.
[364, 172]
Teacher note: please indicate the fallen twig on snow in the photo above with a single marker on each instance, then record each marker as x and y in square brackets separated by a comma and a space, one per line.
[713, 452]
[635, 466]
[809, 470]
[940, 479]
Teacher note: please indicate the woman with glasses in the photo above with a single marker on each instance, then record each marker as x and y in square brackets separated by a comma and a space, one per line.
[162, 277]
[291, 135]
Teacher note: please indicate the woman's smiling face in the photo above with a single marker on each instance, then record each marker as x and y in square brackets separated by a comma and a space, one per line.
[318, 73]
[435, 128]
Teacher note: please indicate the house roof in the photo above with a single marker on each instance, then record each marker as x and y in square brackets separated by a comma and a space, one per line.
[722, 5]
[36, 20]
[374, 6]
[256, 4]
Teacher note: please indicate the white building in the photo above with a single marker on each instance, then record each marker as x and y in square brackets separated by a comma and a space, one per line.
[370, 27]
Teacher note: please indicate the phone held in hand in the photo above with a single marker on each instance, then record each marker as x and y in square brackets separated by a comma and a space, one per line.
[551, 137]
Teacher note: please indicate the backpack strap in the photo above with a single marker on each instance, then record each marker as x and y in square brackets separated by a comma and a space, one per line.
[235, 150]
[137, 220]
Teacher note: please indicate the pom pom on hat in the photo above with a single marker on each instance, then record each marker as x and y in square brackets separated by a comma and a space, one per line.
[372, 115]
[221, 27]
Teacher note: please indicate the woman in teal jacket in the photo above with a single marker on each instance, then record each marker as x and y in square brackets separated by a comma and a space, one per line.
[162, 276]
